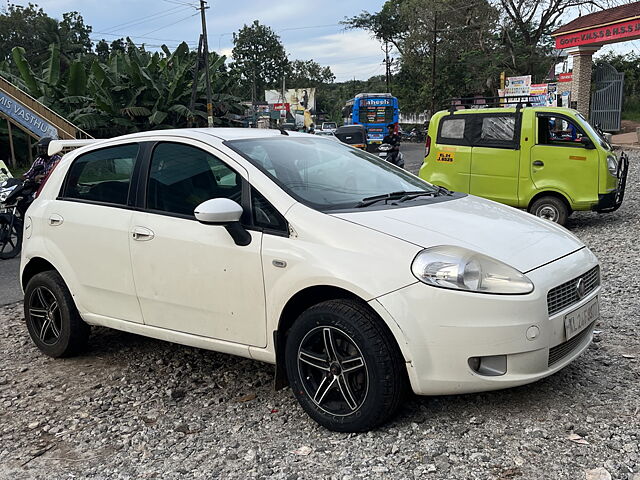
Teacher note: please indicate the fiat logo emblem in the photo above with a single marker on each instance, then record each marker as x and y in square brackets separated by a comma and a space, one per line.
[580, 288]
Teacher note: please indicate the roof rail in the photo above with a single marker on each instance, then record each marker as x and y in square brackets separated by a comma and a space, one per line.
[487, 102]
[57, 146]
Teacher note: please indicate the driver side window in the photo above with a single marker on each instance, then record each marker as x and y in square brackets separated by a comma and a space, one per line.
[181, 177]
[558, 131]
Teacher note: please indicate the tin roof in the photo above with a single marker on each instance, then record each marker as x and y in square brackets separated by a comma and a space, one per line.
[604, 17]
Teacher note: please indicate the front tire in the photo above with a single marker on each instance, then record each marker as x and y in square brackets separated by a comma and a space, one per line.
[53, 321]
[10, 238]
[551, 208]
[344, 368]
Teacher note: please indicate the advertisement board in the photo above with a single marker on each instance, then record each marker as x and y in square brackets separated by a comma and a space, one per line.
[302, 104]
[517, 85]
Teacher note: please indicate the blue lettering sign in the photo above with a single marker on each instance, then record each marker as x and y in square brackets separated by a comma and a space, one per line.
[25, 117]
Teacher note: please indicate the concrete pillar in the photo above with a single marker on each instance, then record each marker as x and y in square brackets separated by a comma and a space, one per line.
[581, 83]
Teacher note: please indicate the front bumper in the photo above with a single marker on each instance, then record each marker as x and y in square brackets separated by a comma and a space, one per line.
[443, 328]
[610, 202]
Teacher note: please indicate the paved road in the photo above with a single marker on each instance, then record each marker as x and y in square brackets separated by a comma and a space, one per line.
[9, 283]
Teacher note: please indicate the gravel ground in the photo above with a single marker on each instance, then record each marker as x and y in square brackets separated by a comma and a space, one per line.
[136, 407]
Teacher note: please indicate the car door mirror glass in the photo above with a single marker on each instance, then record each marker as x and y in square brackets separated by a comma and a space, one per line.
[219, 211]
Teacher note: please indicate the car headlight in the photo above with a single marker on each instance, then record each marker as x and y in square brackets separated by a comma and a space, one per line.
[461, 269]
[612, 165]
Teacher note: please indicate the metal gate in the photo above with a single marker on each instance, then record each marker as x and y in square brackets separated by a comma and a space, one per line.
[606, 101]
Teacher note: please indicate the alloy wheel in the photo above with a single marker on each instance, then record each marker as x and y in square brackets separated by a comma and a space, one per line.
[45, 315]
[333, 370]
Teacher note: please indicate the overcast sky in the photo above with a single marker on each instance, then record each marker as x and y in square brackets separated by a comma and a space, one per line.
[308, 29]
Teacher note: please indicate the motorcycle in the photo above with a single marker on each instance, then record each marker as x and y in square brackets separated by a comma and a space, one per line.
[386, 152]
[15, 197]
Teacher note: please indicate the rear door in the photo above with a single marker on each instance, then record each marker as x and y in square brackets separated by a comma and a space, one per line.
[88, 227]
[449, 161]
[495, 157]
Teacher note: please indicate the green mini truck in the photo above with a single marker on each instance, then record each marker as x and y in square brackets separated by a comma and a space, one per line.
[548, 160]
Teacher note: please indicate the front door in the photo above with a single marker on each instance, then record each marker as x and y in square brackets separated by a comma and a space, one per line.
[192, 277]
[495, 158]
[560, 162]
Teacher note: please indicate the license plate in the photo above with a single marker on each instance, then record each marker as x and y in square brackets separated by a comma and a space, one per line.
[383, 154]
[577, 320]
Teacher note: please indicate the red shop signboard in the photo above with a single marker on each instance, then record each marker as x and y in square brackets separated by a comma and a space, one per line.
[609, 34]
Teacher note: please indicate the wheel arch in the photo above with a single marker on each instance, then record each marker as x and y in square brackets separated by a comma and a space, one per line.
[303, 300]
[550, 193]
[33, 267]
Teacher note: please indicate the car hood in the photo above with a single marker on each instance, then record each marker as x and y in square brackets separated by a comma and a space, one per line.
[504, 233]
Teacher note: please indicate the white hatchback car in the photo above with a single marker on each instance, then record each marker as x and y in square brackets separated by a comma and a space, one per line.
[356, 278]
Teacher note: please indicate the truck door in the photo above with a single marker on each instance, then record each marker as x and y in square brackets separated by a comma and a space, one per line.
[560, 162]
[495, 157]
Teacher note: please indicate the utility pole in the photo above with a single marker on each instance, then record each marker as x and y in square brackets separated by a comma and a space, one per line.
[387, 65]
[433, 62]
[205, 48]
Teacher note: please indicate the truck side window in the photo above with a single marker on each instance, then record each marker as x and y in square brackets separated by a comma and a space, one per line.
[498, 128]
[558, 131]
[452, 129]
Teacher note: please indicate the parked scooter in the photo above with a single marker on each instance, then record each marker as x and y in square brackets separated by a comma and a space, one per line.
[15, 197]
[386, 152]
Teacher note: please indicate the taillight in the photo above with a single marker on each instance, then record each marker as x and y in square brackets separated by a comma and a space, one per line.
[44, 180]
[427, 146]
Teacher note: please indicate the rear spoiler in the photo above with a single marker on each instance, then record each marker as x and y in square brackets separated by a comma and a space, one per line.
[57, 146]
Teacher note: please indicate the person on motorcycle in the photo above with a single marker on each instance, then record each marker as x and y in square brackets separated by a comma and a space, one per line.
[392, 138]
[43, 159]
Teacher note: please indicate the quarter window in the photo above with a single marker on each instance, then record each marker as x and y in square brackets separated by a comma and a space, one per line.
[265, 215]
[102, 176]
[453, 129]
[181, 177]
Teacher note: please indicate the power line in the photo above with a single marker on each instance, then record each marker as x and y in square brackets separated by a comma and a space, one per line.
[145, 19]
[172, 23]
[148, 38]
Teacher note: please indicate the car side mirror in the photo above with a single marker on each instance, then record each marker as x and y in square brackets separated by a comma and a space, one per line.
[224, 212]
[587, 143]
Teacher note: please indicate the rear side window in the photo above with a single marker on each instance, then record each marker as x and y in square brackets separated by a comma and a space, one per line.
[498, 128]
[102, 176]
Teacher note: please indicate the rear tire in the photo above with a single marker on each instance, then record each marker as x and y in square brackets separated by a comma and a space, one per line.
[551, 208]
[344, 368]
[53, 321]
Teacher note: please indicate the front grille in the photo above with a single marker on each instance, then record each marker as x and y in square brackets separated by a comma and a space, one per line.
[565, 295]
[558, 352]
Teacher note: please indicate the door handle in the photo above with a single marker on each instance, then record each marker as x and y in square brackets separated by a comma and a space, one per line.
[538, 163]
[142, 234]
[55, 220]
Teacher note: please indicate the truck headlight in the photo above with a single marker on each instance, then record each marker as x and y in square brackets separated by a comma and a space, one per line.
[612, 165]
[460, 269]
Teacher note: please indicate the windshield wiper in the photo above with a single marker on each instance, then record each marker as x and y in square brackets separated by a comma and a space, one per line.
[365, 202]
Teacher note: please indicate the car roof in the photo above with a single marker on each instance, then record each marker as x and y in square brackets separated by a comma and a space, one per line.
[471, 111]
[220, 133]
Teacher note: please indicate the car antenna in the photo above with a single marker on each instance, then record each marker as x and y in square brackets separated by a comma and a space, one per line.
[283, 131]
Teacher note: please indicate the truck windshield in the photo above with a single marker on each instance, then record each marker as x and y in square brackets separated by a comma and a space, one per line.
[324, 174]
[593, 133]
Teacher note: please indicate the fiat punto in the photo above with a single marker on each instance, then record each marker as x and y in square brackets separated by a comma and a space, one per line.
[355, 278]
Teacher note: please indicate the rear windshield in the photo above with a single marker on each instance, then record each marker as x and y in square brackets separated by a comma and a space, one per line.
[324, 174]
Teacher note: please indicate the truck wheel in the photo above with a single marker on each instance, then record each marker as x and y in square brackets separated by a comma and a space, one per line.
[343, 367]
[551, 208]
[53, 321]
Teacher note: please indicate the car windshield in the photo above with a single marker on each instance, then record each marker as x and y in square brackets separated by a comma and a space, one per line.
[326, 175]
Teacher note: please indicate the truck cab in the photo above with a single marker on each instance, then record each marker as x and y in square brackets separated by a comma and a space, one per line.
[548, 160]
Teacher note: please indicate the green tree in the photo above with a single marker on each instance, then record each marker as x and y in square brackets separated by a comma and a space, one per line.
[307, 73]
[259, 59]
[27, 27]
